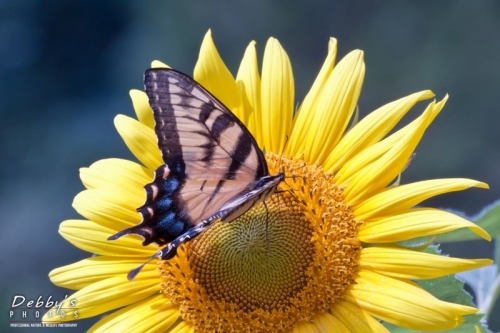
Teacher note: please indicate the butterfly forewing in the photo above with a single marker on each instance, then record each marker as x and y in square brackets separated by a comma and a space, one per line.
[211, 160]
[192, 123]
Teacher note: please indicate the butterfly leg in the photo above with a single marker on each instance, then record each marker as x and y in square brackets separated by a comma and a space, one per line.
[290, 190]
[304, 180]
[267, 218]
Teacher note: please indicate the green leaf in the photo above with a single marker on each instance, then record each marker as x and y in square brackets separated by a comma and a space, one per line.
[447, 289]
[486, 286]
[469, 326]
[417, 243]
[488, 219]
[483, 329]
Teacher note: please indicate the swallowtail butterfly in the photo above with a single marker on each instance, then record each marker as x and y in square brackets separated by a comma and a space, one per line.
[214, 169]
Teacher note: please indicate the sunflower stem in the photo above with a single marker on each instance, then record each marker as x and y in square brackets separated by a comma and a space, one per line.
[493, 296]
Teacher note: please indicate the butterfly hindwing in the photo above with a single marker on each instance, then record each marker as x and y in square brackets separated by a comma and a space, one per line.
[211, 161]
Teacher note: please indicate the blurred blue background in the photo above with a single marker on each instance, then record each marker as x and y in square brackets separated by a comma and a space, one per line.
[66, 69]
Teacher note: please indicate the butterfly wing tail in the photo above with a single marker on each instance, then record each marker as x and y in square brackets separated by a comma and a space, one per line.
[140, 230]
[132, 274]
[120, 234]
[169, 251]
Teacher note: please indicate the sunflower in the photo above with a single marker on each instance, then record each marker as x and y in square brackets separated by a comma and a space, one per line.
[325, 253]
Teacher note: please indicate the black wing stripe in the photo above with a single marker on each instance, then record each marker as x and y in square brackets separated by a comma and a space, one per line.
[242, 149]
[206, 111]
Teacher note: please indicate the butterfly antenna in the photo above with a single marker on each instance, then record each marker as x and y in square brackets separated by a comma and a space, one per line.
[291, 189]
[132, 274]
[267, 219]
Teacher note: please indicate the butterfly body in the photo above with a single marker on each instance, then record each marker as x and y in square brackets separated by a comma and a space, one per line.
[256, 193]
[214, 169]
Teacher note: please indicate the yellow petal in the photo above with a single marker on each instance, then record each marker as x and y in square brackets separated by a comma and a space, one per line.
[404, 304]
[403, 197]
[356, 319]
[142, 108]
[371, 129]
[336, 104]
[154, 314]
[116, 174]
[325, 322]
[378, 174]
[367, 157]
[158, 64]
[305, 327]
[141, 140]
[277, 93]
[248, 81]
[415, 223]
[106, 295]
[110, 208]
[93, 238]
[404, 263]
[87, 271]
[349, 174]
[182, 327]
[305, 115]
[211, 72]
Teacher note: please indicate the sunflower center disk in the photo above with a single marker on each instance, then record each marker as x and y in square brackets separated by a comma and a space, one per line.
[273, 266]
[235, 262]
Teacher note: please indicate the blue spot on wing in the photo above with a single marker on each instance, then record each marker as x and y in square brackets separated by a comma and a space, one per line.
[170, 185]
[177, 228]
[164, 203]
[167, 220]
[168, 223]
